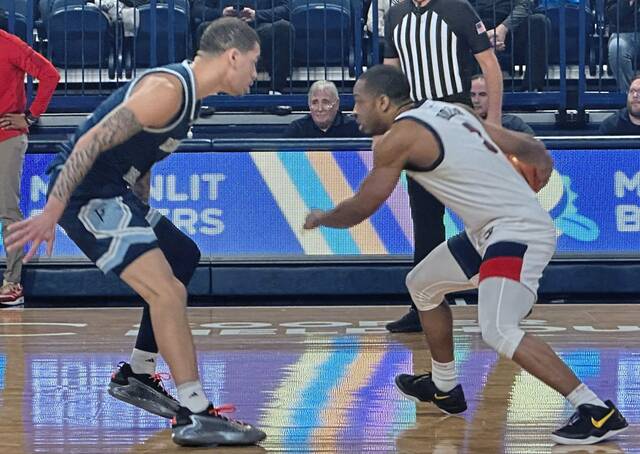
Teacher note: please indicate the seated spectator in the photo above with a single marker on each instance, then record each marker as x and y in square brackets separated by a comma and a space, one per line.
[480, 100]
[119, 10]
[625, 122]
[325, 118]
[623, 17]
[271, 21]
[383, 7]
[513, 27]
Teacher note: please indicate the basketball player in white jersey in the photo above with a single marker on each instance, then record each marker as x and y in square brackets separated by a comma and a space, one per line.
[507, 242]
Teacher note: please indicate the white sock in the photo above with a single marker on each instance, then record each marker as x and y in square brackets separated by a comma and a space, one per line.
[143, 362]
[192, 396]
[444, 375]
[583, 395]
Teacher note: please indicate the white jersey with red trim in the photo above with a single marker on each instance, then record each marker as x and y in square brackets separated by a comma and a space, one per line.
[475, 179]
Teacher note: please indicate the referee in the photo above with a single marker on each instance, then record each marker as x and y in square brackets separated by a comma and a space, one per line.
[434, 43]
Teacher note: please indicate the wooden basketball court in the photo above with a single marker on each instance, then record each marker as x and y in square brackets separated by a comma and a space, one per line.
[315, 379]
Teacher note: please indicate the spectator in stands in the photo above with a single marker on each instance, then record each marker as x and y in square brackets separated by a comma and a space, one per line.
[383, 7]
[480, 100]
[121, 10]
[270, 19]
[325, 118]
[624, 43]
[16, 59]
[512, 25]
[625, 122]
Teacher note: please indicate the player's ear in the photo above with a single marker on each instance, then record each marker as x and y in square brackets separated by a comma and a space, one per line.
[384, 103]
[233, 55]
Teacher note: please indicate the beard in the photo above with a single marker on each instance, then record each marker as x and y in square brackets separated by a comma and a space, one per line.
[634, 110]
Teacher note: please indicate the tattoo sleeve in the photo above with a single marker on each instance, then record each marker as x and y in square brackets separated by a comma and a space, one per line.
[114, 129]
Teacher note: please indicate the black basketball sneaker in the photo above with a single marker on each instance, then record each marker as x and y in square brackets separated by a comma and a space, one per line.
[421, 388]
[142, 390]
[591, 424]
[209, 428]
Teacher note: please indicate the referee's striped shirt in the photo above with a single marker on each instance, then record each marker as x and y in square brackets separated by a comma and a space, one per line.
[435, 44]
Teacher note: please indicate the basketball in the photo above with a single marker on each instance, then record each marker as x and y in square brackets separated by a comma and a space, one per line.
[528, 172]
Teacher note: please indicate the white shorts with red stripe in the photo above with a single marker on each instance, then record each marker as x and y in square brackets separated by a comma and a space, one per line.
[463, 262]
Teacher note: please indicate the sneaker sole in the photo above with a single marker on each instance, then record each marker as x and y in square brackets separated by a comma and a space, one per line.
[586, 441]
[127, 394]
[418, 401]
[17, 302]
[213, 440]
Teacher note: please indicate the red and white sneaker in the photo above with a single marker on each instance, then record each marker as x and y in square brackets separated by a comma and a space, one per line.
[11, 294]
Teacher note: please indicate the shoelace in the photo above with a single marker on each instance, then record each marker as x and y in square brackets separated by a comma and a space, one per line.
[157, 380]
[573, 419]
[225, 408]
[423, 377]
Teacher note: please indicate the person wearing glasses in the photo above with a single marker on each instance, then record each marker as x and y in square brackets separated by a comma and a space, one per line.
[325, 118]
[626, 121]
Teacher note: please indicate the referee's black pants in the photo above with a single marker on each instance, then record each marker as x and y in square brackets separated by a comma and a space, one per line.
[427, 213]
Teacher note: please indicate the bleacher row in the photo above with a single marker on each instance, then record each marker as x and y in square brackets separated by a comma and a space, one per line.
[79, 34]
[330, 42]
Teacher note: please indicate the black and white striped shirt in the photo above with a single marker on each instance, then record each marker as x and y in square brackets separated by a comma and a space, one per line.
[435, 44]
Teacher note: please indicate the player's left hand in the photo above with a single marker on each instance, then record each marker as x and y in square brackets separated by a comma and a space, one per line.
[36, 230]
[13, 121]
[313, 219]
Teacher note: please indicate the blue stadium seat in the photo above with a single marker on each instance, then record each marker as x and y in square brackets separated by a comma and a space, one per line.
[140, 49]
[572, 23]
[313, 45]
[19, 17]
[79, 36]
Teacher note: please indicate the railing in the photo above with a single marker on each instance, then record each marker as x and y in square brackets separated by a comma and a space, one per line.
[99, 46]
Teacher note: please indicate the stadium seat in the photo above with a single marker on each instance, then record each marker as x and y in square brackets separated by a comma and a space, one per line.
[572, 24]
[19, 17]
[80, 36]
[315, 44]
[139, 49]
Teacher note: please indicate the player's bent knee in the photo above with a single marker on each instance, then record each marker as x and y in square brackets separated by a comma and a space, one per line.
[503, 339]
[169, 294]
[426, 295]
[423, 298]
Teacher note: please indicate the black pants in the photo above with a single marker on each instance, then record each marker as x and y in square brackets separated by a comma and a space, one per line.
[528, 44]
[183, 255]
[427, 212]
[276, 48]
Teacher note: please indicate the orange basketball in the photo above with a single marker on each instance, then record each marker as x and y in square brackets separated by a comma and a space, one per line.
[528, 172]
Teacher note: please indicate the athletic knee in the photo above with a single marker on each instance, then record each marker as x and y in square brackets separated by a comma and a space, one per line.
[171, 293]
[425, 297]
[503, 338]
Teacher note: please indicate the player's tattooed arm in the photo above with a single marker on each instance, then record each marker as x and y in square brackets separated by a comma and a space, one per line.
[114, 129]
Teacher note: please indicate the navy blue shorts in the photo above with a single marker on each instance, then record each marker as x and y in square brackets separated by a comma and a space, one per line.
[112, 232]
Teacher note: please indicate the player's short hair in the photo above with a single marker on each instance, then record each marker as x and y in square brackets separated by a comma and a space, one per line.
[477, 76]
[635, 77]
[228, 33]
[387, 80]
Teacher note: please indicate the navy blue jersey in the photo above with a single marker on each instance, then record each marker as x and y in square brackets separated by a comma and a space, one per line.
[117, 169]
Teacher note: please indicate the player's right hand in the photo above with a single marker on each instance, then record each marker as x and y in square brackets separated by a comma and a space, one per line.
[313, 219]
[35, 230]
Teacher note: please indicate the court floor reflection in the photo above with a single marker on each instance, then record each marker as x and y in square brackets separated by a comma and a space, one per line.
[315, 379]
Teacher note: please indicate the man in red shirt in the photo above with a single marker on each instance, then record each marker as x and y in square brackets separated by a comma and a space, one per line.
[16, 59]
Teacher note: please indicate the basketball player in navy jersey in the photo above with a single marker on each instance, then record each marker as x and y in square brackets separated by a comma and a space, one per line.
[507, 242]
[90, 197]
